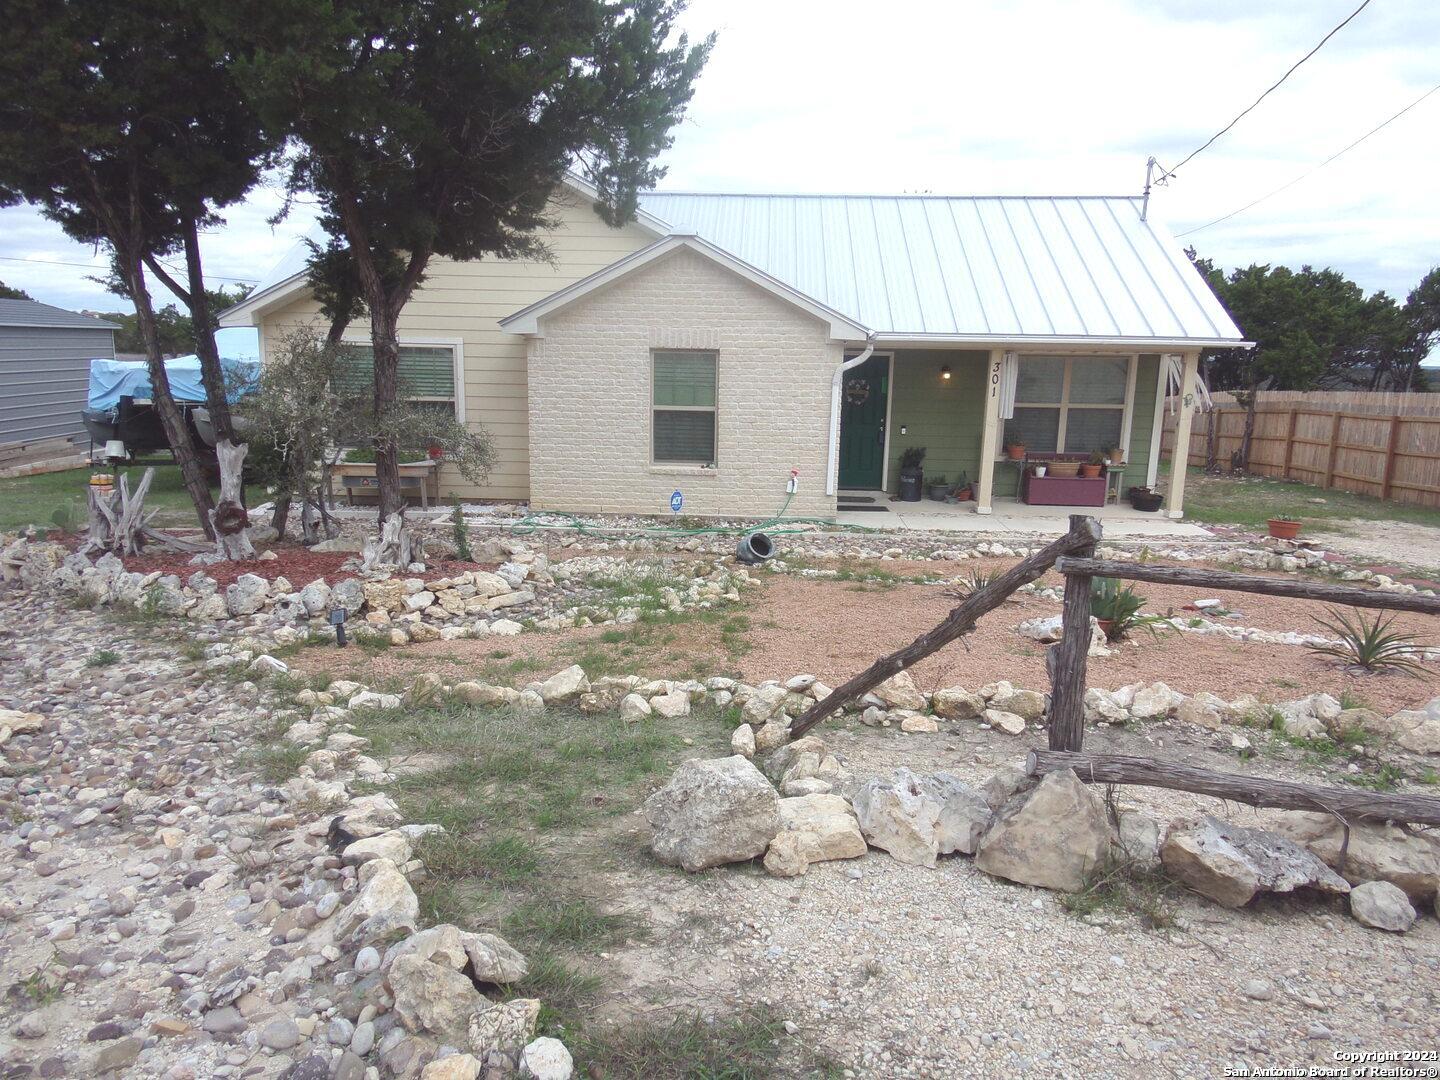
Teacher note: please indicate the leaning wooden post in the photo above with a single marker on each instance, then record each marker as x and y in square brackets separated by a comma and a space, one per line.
[1084, 532]
[1066, 658]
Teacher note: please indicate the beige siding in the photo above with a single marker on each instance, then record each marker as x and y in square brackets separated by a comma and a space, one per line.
[590, 403]
[464, 301]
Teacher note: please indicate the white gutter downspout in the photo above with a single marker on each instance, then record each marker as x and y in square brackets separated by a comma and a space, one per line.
[832, 472]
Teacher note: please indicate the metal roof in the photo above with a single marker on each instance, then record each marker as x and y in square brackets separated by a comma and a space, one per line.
[34, 313]
[1000, 268]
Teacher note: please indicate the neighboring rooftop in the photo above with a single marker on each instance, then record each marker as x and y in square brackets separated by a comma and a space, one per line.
[34, 313]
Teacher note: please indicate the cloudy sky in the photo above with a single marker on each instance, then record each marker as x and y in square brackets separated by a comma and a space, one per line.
[1029, 97]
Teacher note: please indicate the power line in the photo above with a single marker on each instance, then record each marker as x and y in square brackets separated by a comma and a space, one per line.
[92, 266]
[1317, 168]
[1171, 172]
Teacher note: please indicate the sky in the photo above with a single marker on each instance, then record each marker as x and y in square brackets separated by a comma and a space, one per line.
[1016, 97]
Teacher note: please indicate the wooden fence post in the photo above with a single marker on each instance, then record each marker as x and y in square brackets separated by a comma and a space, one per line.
[1289, 445]
[1334, 449]
[1066, 658]
[1389, 475]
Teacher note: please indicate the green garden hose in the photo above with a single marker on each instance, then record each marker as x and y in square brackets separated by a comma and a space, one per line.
[533, 522]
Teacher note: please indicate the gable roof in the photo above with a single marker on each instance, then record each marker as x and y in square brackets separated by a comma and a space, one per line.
[974, 268]
[526, 320]
[34, 313]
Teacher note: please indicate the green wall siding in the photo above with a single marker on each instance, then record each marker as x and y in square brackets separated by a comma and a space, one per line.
[943, 415]
[1142, 422]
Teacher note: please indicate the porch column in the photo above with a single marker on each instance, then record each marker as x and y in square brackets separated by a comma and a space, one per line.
[989, 435]
[1180, 457]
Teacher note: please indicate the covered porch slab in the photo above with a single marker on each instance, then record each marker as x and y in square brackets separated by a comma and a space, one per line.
[1011, 517]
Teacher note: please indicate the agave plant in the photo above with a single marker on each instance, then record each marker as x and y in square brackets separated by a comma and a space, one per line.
[1370, 643]
[1119, 609]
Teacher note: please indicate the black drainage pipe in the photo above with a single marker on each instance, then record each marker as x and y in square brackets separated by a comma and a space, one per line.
[754, 548]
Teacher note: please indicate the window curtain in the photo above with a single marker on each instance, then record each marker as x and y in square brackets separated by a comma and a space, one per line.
[1009, 377]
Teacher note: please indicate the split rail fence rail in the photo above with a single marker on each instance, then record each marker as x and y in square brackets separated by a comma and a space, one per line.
[1381, 444]
[1073, 555]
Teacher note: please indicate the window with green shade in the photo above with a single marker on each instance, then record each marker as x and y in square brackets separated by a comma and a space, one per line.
[682, 397]
[426, 374]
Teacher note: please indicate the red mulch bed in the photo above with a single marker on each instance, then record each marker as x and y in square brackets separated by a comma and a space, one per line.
[294, 561]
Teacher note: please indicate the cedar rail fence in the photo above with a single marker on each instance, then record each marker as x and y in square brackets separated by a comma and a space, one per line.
[1073, 555]
[1384, 445]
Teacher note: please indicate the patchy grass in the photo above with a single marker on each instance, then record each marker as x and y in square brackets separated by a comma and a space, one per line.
[31, 500]
[1147, 893]
[102, 658]
[747, 1046]
[1251, 501]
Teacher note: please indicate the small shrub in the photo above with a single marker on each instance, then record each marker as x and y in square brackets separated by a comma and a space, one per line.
[1369, 643]
[102, 658]
[1121, 609]
[462, 533]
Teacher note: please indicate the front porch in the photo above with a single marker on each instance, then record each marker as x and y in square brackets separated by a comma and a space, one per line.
[1010, 516]
[965, 407]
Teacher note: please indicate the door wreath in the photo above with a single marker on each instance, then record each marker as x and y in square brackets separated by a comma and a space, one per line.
[857, 391]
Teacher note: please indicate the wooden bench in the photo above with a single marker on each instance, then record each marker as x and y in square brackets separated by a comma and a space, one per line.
[420, 477]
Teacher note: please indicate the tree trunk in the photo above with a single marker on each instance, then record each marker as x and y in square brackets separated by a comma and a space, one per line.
[229, 519]
[396, 546]
[171, 418]
[1348, 804]
[119, 524]
[212, 375]
[280, 515]
[1083, 535]
[386, 346]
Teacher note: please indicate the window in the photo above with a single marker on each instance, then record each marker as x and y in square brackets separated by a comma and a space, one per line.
[426, 375]
[1070, 404]
[683, 407]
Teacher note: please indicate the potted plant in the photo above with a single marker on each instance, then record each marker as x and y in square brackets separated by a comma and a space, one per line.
[1116, 454]
[1283, 528]
[912, 475]
[1142, 498]
[1015, 450]
[962, 491]
[1117, 610]
[937, 488]
[1041, 469]
[1092, 467]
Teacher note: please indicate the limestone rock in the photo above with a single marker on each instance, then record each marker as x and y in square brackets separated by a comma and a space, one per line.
[442, 944]
[713, 812]
[1026, 704]
[507, 1026]
[1007, 722]
[386, 904]
[1230, 864]
[964, 813]
[1375, 853]
[1054, 835]
[820, 827]
[742, 741]
[483, 694]
[1423, 738]
[634, 708]
[957, 703]
[919, 724]
[671, 706]
[454, 1067]
[898, 816]
[432, 997]
[393, 845]
[1382, 906]
[900, 692]
[564, 686]
[546, 1059]
[493, 959]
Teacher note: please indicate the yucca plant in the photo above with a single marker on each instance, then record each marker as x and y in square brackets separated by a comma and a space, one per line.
[1119, 610]
[1370, 644]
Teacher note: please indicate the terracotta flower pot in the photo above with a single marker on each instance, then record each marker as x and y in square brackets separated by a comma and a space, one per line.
[1105, 625]
[1283, 529]
[1015, 452]
[1089, 470]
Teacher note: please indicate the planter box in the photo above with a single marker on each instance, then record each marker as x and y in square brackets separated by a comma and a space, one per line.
[1062, 490]
[420, 477]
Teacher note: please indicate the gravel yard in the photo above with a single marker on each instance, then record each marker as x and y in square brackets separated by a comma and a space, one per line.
[832, 629]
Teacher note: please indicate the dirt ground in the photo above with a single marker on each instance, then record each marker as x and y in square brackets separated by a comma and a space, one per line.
[790, 627]
[1393, 543]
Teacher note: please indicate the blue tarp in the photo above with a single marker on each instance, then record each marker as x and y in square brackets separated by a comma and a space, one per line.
[110, 380]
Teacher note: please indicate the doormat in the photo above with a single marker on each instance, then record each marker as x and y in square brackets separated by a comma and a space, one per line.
[858, 507]
[855, 498]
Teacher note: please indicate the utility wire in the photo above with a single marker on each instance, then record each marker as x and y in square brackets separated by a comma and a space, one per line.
[1317, 168]
[92, 266]
[1171, 172]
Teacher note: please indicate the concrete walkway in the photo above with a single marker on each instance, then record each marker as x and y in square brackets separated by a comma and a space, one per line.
[1018, 518]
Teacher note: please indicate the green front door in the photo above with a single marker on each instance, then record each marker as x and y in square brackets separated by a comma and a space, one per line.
[862, 424]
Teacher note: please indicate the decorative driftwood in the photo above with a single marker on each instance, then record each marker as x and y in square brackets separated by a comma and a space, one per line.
[396, 546]
[1083, 535]
[118, 521]
[1067, 657]
[1348, 804]
[1253, 583]
[229, 520]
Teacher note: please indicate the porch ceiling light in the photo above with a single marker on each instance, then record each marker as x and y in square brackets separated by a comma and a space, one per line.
[945, 372]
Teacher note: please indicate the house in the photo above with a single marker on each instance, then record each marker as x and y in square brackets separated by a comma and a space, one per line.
[45, 355]
[719, 342]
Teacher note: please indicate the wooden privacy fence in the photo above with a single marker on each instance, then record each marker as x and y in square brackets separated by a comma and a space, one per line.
[1072, 554]
[1385, 445]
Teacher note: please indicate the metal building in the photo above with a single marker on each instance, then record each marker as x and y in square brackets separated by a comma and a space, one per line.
[45, 355]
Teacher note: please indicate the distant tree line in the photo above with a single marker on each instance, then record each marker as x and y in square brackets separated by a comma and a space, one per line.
[1317, 330]
[175, 329]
